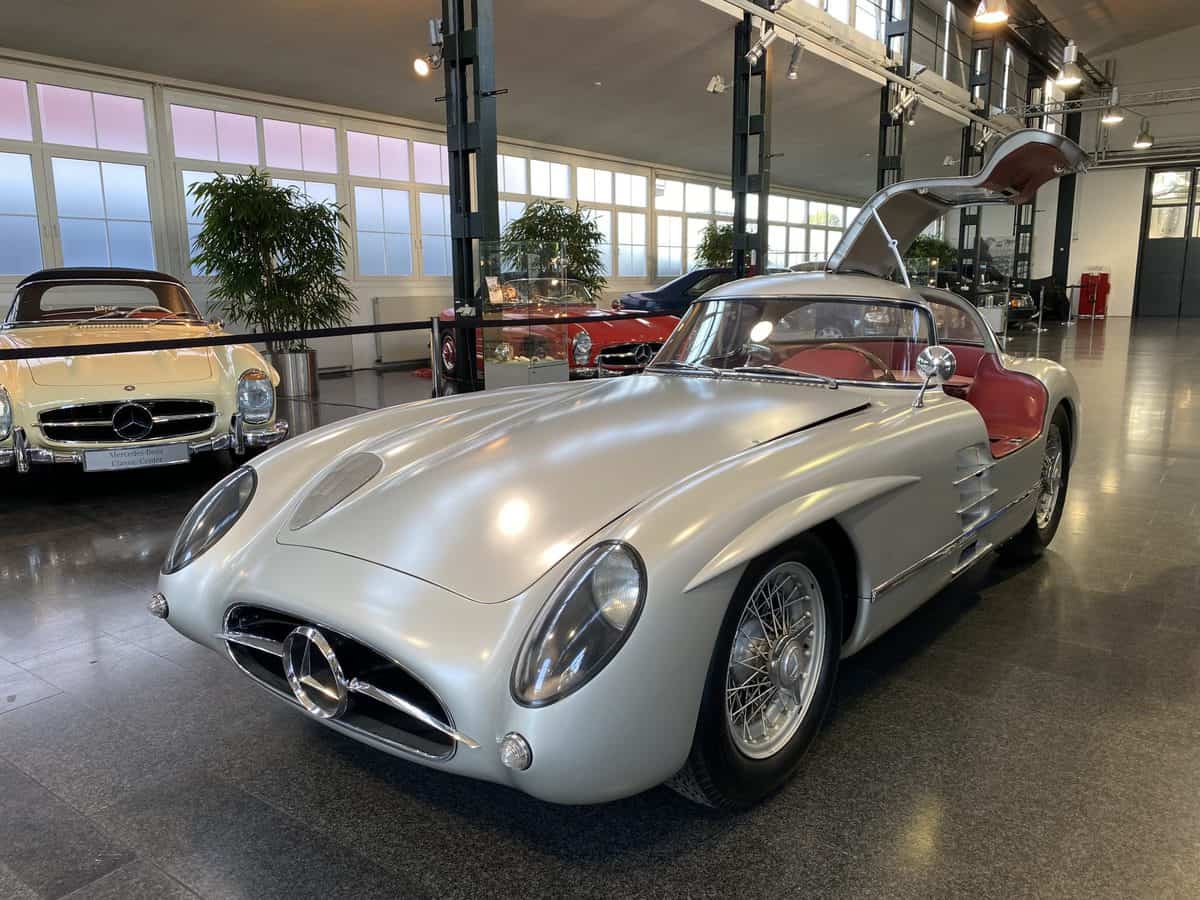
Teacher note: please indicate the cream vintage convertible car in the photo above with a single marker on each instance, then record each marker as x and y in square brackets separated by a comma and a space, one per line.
[647, 579]
[125, 410]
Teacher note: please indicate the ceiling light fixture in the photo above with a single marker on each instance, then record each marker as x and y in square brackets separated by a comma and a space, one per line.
[991, 12]
[1113, 115]
[765, 38]
[793, 69]
[1070, 76]
[423, 65]
[1145, 140]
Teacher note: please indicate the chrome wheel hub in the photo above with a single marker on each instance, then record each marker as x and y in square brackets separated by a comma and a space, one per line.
[1052, 478]
[775, 660]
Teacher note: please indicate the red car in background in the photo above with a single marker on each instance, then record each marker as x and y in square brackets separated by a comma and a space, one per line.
[620, 346]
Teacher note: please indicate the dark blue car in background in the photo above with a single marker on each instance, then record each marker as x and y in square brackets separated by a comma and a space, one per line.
[675, 295]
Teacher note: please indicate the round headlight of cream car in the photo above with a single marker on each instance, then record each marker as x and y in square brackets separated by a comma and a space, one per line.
[255, 397]
[583, 624]
[6, 415]
[211, 518]
[335, 486]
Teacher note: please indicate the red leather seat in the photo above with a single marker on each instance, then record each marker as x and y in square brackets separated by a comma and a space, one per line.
[835, 363]
[1012, 404]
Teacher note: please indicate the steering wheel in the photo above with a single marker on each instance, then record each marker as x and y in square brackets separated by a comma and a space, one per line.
[875, 361]
[149, 306]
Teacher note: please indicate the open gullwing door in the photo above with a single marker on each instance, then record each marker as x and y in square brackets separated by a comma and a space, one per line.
[1020, 164]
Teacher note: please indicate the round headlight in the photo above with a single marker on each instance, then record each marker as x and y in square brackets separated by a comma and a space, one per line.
[581, 346]
[255, 397]
[584, 623]
[338, 483]
[503, 351]
[6, 415]
[211, 518]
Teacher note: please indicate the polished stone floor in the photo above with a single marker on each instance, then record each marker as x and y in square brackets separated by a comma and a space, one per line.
[1029, 733]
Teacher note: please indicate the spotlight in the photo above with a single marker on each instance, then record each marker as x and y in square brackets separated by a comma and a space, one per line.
[1112, 113]
[1145, 140]
[717, 85]
[1070, 76]
[793, 69]
[760, 46]
[911, 118]
[908, 101]
[423, 65]
[991, 12]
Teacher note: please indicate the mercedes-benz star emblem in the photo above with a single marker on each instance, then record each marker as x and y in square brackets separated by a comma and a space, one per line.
[314, 673]
[132, 422]
[643, 354]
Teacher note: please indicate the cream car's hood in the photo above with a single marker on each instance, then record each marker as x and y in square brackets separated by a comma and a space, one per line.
[150, 367]
[486, 499]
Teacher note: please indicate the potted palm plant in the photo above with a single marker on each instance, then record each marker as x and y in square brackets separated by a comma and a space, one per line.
[276, 261]
[716, 246]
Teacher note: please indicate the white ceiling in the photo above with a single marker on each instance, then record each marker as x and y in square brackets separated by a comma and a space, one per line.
[1102, 26]
[653, 60]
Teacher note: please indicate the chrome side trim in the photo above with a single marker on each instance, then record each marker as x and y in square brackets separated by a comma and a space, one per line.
[953, 546]
[975, 474]
[982, 498]
[979, 554]
[359, 686]
[253, 641]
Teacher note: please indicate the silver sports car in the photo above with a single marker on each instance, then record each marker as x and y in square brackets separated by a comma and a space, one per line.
[585, 590]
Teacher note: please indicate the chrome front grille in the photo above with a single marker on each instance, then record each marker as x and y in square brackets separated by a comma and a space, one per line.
[93, 423]
[382, 699]
[628, 356]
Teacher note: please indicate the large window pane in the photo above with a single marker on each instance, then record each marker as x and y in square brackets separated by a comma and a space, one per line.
[66, 116]
[376, 156]
[629, 190]
[550, 179]
[698, 198]
[20, 241]
[513, 178]
[281, 140]
[194, 221]
[595, 185]
[510, 210]
[724, 202]
[668, 194]
[311, 191]
[318, 148]
[603, 220]
[15, 122]
[431, 163]
[435, 234]
[237, 138]
[120, 123]
[797, 211]
[383, 231]
[631, 238]
[670, 244]
[103, 213]
[695, 234]
[777, 208]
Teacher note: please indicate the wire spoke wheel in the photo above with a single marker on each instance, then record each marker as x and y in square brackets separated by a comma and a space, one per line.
[774, 662]
[1052, 478]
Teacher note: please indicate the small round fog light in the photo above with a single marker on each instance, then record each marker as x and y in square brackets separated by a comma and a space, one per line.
[515, 752]
[158, 605]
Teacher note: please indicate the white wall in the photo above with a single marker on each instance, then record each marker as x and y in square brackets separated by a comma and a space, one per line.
[1108, 213]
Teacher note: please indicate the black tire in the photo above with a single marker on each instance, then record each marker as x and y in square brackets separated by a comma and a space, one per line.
[1030, 542]
[718, 773]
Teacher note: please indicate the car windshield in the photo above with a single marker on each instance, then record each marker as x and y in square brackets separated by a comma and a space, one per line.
[542, 292]
[827, 339]
[103, 302]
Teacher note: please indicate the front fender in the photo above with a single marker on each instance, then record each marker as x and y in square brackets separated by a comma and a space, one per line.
[793, 518]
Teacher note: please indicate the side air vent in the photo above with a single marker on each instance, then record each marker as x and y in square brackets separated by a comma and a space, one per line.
[973, 482]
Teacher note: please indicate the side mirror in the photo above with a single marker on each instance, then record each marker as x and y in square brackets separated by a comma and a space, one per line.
[936, 364]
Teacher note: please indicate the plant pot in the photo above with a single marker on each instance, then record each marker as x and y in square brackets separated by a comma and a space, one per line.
[297, 373]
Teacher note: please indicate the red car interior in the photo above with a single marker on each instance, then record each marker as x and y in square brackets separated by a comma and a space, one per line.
[1012, 404]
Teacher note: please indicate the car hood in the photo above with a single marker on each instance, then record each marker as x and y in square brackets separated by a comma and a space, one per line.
[147, 367]
[483, 501]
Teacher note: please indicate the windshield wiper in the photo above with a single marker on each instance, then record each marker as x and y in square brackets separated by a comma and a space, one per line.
[768, 368]
[680, 364]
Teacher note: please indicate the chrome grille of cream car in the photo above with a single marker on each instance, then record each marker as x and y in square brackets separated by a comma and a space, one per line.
[378, 689]
[627, 356]
[93, 423]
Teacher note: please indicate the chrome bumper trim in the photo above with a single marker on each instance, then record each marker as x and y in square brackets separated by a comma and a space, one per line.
[23, 456]
[359, 686]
